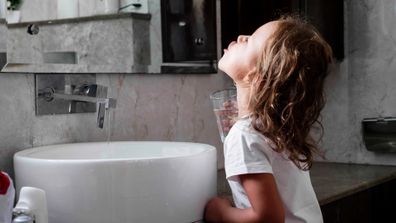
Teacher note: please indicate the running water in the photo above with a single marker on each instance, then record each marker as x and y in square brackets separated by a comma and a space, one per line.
[108, 124]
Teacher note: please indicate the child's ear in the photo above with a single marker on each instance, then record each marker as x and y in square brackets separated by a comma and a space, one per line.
[249, 77]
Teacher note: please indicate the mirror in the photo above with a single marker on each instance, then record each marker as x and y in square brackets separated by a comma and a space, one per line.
[110, 36]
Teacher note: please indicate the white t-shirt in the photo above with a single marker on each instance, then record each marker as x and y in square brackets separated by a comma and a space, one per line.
[247, 151]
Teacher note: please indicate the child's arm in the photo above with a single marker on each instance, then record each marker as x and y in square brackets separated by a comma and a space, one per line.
[263, 196]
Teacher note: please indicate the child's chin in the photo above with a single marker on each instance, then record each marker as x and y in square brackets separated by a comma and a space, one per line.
[221, 65]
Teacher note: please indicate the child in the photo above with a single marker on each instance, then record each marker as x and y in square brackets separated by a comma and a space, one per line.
[279, 72]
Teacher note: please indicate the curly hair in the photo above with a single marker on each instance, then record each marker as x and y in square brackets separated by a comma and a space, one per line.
[287, 95]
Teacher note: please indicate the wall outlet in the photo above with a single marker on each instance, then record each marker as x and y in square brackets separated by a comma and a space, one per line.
[136, 6]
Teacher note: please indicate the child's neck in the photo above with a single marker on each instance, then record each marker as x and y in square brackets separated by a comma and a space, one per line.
[243, 93]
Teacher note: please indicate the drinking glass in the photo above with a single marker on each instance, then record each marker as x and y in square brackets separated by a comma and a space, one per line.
[225, 109]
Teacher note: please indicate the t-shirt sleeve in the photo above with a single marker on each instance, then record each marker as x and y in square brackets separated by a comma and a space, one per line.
[245, 153]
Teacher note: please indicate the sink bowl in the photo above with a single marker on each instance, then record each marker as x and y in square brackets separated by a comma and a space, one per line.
[121, 181]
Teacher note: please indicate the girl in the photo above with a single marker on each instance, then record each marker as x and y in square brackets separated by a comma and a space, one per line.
[279, 72]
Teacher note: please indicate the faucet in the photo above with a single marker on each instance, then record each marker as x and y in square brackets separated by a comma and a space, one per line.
[91, 93]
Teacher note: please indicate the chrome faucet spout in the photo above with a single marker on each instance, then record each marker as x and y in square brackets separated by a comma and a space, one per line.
[108, 102]
[84, 93]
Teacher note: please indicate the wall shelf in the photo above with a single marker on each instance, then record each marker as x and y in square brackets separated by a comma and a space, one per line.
[84, 19]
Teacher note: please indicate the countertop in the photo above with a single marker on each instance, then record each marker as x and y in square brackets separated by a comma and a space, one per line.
[332, 181]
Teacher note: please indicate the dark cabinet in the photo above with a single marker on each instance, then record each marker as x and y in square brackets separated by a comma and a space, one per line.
[373, 205]
[188, 30]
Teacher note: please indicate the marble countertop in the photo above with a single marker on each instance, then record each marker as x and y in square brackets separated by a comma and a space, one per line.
[332, 181]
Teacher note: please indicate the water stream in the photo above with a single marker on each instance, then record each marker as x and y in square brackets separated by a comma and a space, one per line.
[108, 126]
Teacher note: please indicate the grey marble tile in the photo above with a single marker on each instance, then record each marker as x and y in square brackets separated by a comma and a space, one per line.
[363, 86]
[149, 107]
[3, 37]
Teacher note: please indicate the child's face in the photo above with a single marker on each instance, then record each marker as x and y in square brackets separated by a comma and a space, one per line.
[240, 57]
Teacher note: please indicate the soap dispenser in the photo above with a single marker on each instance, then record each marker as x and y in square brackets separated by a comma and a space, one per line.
[379, 134]
[31, 206]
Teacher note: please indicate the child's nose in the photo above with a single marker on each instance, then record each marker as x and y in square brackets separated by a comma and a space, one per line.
[242, 38]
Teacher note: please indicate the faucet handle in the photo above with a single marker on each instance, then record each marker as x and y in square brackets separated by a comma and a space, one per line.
[103, 106]
[91, 90]
[101, 115]
[85, 89]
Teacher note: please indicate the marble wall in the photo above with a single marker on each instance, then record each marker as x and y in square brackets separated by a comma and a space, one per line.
[3, 36]
[362, 85]
[149, 107]
[177, 108]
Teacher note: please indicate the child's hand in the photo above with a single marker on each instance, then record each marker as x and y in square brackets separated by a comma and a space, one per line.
[214, 208]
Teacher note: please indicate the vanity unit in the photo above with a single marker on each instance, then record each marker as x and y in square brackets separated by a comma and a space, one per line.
[355, 192]
[348, 192]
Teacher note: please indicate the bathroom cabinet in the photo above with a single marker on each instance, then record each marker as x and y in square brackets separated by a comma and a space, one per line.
[188, 30]
[188, 35]
[372, 205]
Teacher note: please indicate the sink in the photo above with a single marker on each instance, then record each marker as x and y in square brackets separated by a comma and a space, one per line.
[121, 181]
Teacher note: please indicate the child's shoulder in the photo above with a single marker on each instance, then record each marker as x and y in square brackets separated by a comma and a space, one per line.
[243, 136]
[244, 128]
[244, 125]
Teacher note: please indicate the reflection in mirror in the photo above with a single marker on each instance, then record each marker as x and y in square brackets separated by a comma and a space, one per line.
[94, 45]
[50, 10]
[189, 33]
[113, 36]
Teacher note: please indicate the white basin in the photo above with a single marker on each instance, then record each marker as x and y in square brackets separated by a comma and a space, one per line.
[132, 182]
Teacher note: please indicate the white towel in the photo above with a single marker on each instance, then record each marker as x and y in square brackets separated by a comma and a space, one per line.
[7, 196]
